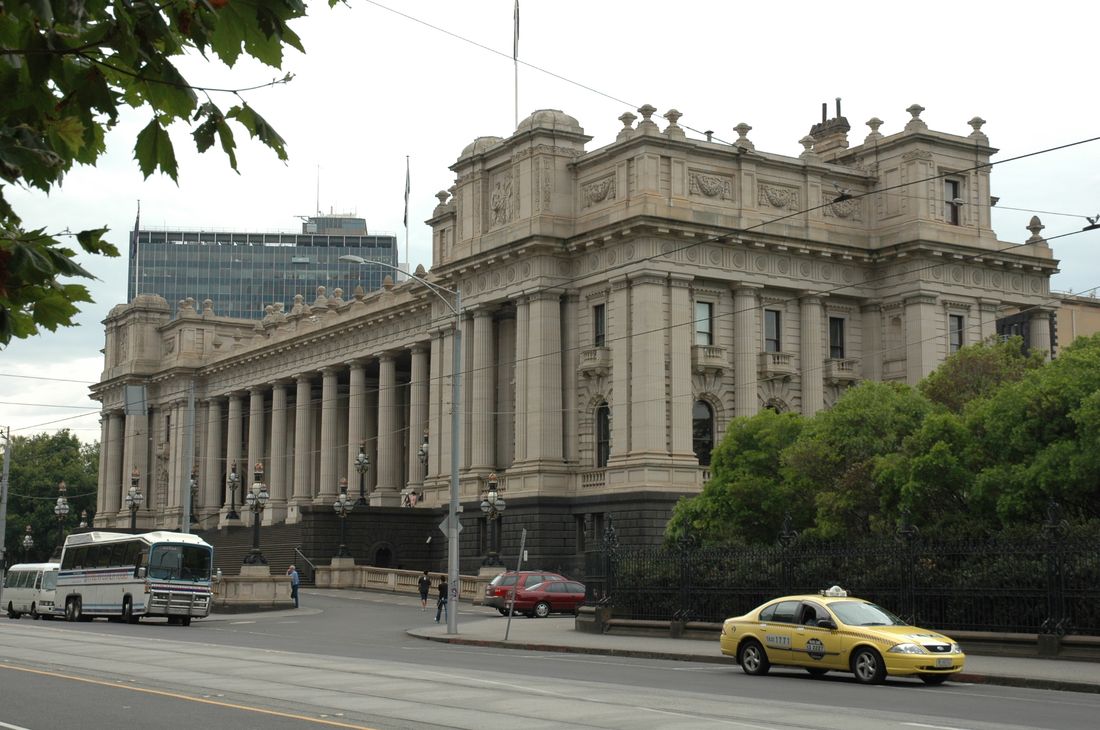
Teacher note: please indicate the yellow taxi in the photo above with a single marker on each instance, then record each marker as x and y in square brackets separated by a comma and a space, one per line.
[833, 631]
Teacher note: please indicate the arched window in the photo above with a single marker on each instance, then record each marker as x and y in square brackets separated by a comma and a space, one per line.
[603, 434]
[702, 431]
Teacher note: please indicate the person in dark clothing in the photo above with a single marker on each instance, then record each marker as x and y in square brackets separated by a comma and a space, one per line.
[424, 584]
[441, 602]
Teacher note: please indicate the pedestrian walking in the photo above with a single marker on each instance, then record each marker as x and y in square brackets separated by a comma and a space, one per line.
[424, 584]
[441, 602]
[293, 573]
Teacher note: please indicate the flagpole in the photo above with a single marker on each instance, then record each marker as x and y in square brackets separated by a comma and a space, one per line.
[515, 62]
[408, 264]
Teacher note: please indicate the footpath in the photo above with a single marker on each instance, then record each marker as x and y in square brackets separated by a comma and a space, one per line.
[558, 634]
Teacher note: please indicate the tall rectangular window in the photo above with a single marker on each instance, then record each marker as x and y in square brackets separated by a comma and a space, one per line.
[704, 325]
[772, 325]
[599, 326]
[955, 325]
[836, 338]
[952, 193]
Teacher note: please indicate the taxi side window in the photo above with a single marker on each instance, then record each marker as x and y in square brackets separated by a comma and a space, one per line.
[811, 613]
[786, 612]
[768, 613]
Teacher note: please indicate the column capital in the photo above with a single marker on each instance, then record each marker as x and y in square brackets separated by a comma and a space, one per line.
[746, 287]
[544, 295]
[653, 278]
[871, 305]
[812, 297]
[481, 311]
[279, 383]
[355, 363]
[681, 280]
[920, 298]
[302, 377]
[420, 347]
[257, 389]
[328, 370]
[386, 356]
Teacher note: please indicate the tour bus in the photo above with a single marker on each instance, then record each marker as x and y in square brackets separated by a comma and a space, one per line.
[29, 588]
[128, 576]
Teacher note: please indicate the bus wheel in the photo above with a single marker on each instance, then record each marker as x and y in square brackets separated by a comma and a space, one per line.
[128, 611]
[185, 620]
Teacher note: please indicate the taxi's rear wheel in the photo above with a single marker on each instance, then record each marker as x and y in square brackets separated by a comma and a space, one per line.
[868, 666]
[753, 658]
[934, 678]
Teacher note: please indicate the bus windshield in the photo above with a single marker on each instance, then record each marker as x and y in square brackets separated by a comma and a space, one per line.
[49, 580]
[179, 562]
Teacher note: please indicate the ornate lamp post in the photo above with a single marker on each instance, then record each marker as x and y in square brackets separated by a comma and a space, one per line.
[61, 510]
[192, 488]
[362, 463]
[134, 498]
[232, 482]
[28, 545]
[256, 498]
[493, 506]
[83, 519]
[342, 506]
[422, 452]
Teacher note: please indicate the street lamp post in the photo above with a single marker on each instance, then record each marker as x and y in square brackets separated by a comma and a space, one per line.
[342, 506]
[83, 519]
[256, 499]
[192, 488]
[456, 410]
[134, 497]
[362, 463]
[28, 545]
[233, 481]
[493, 506]
[61, 510]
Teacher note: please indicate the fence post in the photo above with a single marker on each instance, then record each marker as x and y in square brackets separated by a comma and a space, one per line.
[908, 532]
[787, 536]
[1055, 624]
[686, 545]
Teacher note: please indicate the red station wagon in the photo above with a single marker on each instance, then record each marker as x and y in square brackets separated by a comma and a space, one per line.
[498, 592]
[554, 596]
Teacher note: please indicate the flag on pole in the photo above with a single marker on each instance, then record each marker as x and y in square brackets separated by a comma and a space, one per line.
[406, 191]
[515, 36]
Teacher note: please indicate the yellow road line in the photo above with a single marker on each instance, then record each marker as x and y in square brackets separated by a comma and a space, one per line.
[174, 695]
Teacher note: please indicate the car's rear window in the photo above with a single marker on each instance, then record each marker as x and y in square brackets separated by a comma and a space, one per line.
[503, 580]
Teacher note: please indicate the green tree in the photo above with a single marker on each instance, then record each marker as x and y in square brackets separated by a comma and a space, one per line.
[746, 497]
[38, 463]
[67, 68]
[977, 371]
[837, 455]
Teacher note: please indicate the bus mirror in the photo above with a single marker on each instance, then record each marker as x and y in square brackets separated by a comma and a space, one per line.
[140, 572]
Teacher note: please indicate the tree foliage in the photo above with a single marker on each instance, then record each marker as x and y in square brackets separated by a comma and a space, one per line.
[977, 371]
[38, 463]
[67, 69]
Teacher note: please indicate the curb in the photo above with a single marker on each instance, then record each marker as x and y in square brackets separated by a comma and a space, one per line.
[986, 679]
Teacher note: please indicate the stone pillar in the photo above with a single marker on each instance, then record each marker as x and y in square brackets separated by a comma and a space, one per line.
[522, 369]
[746, 349]
[113, 476]
[172, 505]
[988, 309]
[871, 343]
[812, 355]
[303, 463]
[357, 400]
[418, 413]
[921, 343]
[213, 477]
[388, 492]
[681, 336]
[570, 352]
[1039, 333]
[544, 399]
[135, 452]
[276, 469]
[618, 331]
[482, 406]
[370, 431]
[256, 431]
[101, 486]
[446, 368]
[506, 403]
[330, 462]
[233, 451]
[647, 366]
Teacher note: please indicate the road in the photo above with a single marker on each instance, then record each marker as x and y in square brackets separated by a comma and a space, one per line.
[344, 660]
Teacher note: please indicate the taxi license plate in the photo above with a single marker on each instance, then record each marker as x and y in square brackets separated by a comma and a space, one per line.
[943, 663]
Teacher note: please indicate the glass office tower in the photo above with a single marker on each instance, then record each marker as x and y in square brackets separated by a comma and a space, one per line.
[244, 272]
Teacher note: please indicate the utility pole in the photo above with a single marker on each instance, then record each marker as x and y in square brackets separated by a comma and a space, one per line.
[4, 504]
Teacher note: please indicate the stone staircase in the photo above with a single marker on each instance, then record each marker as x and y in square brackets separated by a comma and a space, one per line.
[277, 543]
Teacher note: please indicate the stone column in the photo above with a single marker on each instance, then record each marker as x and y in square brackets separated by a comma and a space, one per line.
[570, 353]
[871, 343]
[276, 469]
[370, 431]
[256, 432]
[357, 401]
[505, 398]
[387, 494]
[812, 355]
[481, 404]
[303, 428]
[921, 343]
[746, 349]
[523, 367]
[618, 331]
[418, 413]
[435, 402]
[233, 451]
[647, 366]
[988, 309]
[134, 455]
[113, 475]
[681, 336]
[446, 368]
[1039, 333]
[213, 477]
[544, 399]
[330, 462]
[101, 486]
[175, 459]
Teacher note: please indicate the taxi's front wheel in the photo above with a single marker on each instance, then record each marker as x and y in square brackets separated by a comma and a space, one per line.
[868, 666]
[753, 658]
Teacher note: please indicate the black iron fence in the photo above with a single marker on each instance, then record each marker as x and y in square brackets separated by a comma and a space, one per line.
[1047, 581]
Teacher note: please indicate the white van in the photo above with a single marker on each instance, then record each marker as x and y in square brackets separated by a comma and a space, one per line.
[29, 588]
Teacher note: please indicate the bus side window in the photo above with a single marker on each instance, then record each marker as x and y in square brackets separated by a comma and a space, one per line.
[38, 580]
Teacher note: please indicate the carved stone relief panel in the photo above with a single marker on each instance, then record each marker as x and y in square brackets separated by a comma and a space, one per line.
[709, 185]
[500, 199]
[598, 191]
[848, 209]
[779, 196]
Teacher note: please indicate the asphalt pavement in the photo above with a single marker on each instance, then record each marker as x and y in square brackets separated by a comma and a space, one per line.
[559, 634]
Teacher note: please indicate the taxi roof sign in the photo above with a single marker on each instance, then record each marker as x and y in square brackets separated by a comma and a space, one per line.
[835, 592]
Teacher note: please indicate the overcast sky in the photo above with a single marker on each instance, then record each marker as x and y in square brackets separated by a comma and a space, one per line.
[380, 81]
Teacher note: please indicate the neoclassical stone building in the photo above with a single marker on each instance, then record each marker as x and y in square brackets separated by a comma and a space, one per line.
[619, 306]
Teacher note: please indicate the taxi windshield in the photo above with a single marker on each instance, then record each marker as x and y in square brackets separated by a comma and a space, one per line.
[857, 613]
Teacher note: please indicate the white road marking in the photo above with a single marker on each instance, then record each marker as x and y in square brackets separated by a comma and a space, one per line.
[12, 727]
[936, 727]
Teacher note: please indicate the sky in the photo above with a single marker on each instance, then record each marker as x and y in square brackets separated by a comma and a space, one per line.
[382, 81]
